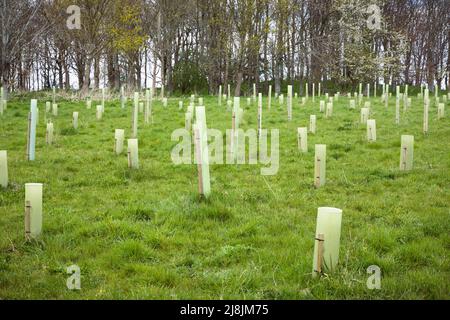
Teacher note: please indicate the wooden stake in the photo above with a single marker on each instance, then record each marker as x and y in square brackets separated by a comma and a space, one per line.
[320, 239]
[28, 220]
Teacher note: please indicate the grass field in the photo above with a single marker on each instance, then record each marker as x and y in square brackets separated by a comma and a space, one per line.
[146, 234]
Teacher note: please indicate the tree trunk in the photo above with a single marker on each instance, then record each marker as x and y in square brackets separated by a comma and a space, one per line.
[237, 90]
[97, 72]
[86, 77]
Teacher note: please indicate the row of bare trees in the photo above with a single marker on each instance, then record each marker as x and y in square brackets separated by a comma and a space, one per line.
[195, 45]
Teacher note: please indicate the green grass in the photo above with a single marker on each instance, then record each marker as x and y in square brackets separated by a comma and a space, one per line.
[146, 234]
